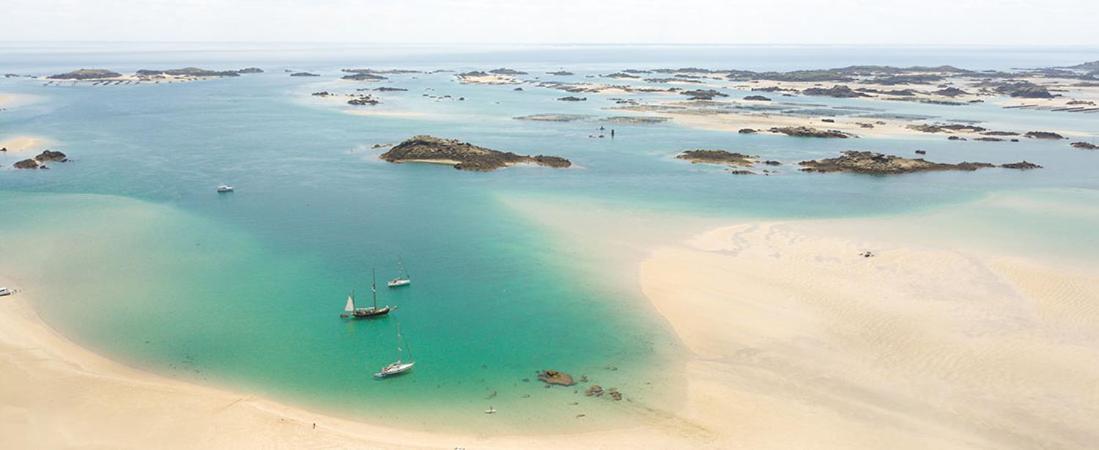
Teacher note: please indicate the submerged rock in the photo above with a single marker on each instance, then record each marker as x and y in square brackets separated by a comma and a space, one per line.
[1085, 145]
[594, 390]
[555, 377]
[757, 98]
[304, 74]
[573, 99]
[463, 155]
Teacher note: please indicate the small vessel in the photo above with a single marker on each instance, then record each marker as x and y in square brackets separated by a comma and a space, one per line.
[403, 279]
[5, 291]
[399, 366]
[223, 188]
[490, 410]
[351, 312]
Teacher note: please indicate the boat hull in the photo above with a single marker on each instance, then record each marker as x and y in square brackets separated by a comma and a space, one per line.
[394, 369]
[398, 283]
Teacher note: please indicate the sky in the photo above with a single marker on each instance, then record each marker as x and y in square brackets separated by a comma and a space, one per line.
[859, 22]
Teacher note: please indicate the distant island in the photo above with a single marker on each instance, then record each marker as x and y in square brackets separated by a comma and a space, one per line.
[879, 164]
[463, 155]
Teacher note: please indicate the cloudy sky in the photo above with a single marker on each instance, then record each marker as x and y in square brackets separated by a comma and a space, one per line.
[933, 22]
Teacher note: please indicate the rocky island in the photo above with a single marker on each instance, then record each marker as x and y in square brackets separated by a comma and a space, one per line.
[718, 157]
[463, 155]
[86, 74]
[879, 164]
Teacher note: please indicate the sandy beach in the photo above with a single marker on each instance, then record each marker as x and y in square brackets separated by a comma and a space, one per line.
[795, 340]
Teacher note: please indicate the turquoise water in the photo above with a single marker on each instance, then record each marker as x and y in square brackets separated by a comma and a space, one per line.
[134, 255]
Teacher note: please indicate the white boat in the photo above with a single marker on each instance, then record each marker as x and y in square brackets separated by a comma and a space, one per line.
[403, 279]
[225, 188]
[490, 410]
[5, 291]
[399, 366]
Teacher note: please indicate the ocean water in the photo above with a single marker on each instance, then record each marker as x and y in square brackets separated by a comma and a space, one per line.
[134, 255]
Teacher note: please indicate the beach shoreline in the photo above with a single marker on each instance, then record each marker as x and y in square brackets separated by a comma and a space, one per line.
[794, 338]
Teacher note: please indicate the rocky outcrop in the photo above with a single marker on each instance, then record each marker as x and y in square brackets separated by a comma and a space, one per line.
[86, 74]
[390, 89]
[555, 377]
[1043, 135]
[1022, 165]
[746, 131]
[572, 98]
[810, 132]
[50, 155]
[879, 164]
[304, 74]
[250, 70]
[506, 71]
[946, 128]
[363, 100]
[950, 92]
[1085, 146]
[560, 73]
[26, 164]
[757, 98]
[703, 94]
[717, 157]
[463, 155]
[363, 76]
[621, 75]
[837, 91]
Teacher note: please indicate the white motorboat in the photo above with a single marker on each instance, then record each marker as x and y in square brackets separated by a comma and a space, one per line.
[224, 188]
[5, 291]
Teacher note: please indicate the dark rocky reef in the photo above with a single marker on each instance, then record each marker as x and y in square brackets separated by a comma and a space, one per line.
[1085, 146]
[837, 91]
[85, 74]
[1043, 135]
[572, 98]
[561, 73]
[757, 98]
[250, 70]
[621, 75]
[810, 132]
[463, 155]
[718, 157]
[390, 89]
[950, 92]
[304, 74]
[703, 94]
[879, 164]
[946, 128]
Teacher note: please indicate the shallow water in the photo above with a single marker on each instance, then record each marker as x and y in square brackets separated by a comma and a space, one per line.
[134, 254]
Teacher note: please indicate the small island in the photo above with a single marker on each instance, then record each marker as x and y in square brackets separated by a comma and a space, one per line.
[463, 155]
[718, 157]
[86, 74]
[879, 164]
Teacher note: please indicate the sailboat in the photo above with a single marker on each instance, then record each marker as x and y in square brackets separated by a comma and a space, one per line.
[350, 311]
[399, 366]
[403, 279]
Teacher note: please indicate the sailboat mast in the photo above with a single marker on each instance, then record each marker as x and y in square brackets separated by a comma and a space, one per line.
[374, 287]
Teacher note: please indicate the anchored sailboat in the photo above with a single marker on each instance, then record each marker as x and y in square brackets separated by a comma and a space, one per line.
[403, 279]
[351, 312]
[399, 366]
